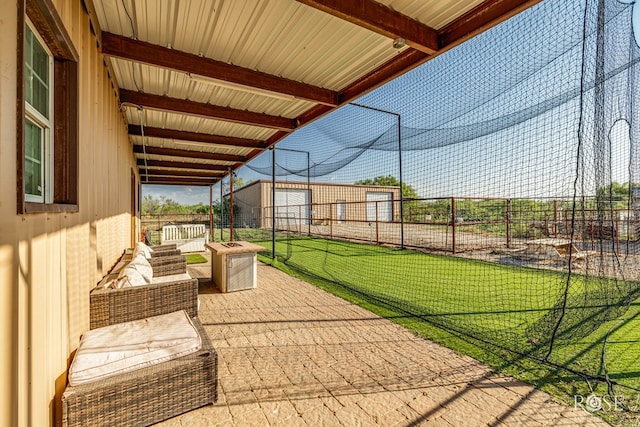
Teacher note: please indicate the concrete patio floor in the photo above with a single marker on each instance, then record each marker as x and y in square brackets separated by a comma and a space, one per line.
[291, 354]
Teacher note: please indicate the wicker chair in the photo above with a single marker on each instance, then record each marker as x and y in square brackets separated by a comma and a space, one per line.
[109, 306]
[148, 395]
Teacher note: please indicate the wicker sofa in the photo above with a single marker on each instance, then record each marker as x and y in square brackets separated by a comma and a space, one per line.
[109, 306]
[165, 250]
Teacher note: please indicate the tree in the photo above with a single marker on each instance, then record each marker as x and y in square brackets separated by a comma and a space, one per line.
[161, 205]
[391, 181]
[168, 205]
[199, 208]
[238, 182]
[150, 205]
[615, 194]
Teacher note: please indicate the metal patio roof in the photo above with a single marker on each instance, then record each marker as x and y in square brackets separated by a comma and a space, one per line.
[206, 85]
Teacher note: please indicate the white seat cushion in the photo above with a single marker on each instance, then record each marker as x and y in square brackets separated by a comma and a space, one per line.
[171, 278]
[128, 346]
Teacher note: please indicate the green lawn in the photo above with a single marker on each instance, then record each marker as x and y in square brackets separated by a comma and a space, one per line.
[195, 259]
[495, 313]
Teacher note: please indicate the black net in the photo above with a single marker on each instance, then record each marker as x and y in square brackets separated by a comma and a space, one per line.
[493, 191]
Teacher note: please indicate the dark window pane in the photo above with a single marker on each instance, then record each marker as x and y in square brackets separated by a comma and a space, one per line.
[33, 158]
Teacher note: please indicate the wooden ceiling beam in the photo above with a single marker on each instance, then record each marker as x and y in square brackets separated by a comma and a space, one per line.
[171, 152]
[194, 173]
[169, 180]
[179, 135]
[182, 165]
[138, 51]
[486, 15]
[157, 102]
[379, 18]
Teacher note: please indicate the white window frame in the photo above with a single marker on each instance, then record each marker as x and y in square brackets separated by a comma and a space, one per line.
[46, 124]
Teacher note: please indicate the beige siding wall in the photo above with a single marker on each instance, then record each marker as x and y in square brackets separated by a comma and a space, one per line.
[247, 199]
[323, 197]
[49, 262]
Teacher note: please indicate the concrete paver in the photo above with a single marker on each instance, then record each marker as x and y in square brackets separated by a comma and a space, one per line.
[291, 354]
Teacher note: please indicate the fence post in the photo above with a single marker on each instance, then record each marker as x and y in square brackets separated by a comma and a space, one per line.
[508, 221]
[453, 225]
[616, 231]
[377, 231]
[555, 218]
[331, 220]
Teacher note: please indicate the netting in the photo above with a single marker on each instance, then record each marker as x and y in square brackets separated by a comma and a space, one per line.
[493, 191]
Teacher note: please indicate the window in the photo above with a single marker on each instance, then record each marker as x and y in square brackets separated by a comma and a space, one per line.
[38, 138]
[47, 135]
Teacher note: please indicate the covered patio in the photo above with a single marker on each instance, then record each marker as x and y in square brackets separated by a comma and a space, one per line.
[292, 354]
[101, 97]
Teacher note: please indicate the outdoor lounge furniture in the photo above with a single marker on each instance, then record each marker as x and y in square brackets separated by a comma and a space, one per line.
[156, 250]
[146, 395]
[170, 289]
[149, 394]
[552, 249]
[186, 237]
[165, 250]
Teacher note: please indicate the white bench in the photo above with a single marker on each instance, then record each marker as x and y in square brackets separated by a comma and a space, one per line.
[187, 237]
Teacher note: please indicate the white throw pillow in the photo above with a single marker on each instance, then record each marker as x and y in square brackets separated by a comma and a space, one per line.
[133, 276]
[141, 264]
[144, 249]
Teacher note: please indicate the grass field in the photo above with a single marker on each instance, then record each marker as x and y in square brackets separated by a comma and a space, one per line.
[195, 259]
[496, 313]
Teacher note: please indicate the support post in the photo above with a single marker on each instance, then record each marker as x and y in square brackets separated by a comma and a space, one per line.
[211, 212]
[309, 193]
[399, 164]
[400, 179]
[230, 205]
[273, 203]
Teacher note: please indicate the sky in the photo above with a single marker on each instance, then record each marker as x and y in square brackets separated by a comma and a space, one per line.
[183, 194]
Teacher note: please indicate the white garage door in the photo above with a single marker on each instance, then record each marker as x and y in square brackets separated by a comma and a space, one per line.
[379, 206]
[292, 207]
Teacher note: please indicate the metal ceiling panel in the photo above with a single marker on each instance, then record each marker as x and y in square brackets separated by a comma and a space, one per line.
[161, 81]
[192, 146]
[282, 38]
[169, 120]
